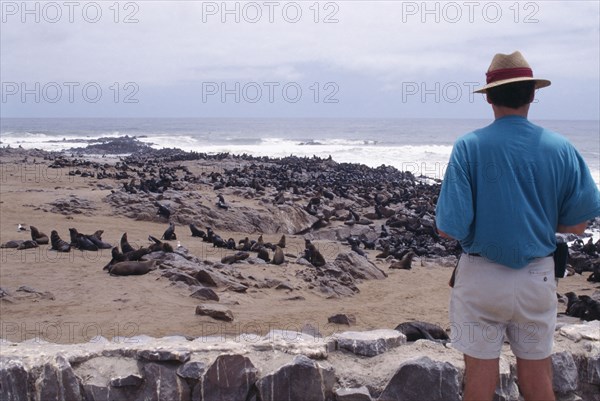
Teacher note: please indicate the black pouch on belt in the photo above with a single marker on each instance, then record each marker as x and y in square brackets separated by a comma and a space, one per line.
[561, 255]
[453, 277]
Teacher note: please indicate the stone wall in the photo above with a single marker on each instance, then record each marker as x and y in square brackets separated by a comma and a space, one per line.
[281, 366]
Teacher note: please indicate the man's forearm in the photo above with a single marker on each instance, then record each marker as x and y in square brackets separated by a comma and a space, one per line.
[576, 229]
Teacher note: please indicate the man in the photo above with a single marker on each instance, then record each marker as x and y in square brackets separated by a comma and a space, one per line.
[508, 188]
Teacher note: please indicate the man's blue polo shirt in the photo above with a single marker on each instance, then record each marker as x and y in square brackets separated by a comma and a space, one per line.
[507, 188]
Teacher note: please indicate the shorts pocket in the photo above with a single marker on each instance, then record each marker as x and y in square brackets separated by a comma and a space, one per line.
[542, 276]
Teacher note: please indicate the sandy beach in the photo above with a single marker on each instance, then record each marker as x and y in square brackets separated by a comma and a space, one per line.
[76, 300]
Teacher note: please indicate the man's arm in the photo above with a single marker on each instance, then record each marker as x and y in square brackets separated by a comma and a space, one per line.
[576, 229]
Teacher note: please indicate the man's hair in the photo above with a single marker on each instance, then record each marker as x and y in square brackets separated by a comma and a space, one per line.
[513, 95]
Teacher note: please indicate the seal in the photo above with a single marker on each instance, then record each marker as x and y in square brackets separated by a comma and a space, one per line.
[263, 254]
[219, 242]
[169, 234]
[278, 256]
[81, 241]
[159, 245]
[27, 244]
[15, 243]
[209, 235]
[230, 259]
[281, 242]
[40, 238]
[163, 211]
[244, 245]
[116, 258]
[196, 232]
[221, 203]
[125, 247]
[96, 239]
[312, 254]
[58, 244]
[260, 243]
[422, 331]
[355, 245]
[131, 268]
[404, 263]
[583, 307]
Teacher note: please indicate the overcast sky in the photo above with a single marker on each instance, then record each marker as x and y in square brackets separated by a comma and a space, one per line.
[290, 59]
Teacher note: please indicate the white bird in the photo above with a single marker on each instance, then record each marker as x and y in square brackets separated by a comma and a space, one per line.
[21, 227]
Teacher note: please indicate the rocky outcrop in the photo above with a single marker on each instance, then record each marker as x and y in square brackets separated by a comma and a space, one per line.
[187, 208]
[341, 276]
[442, 380]
[302, 379]
[282, 365]
[369, 343]
[337, 278]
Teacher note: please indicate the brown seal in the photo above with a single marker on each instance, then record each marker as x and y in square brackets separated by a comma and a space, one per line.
[404, 263]
[169, 234]
[28, 244]
[58, 244]
[131, 268]
[281, 242]
[15, 243]
[125, 246]
[312, 254]
[159, 245]
[278, 257]
[230, 259]
[37, 236]
[422, 331]
[263, 254]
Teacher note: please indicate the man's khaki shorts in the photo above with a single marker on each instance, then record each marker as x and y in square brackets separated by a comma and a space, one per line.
[490, 300]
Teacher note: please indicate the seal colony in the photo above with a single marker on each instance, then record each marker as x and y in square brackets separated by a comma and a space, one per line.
[257, 229]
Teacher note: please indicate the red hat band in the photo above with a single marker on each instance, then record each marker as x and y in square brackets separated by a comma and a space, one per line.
[508, 73]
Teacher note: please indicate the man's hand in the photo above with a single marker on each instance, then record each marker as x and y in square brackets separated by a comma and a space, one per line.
[443, 234]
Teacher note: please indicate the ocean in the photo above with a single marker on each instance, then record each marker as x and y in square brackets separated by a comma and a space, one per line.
[421, 146]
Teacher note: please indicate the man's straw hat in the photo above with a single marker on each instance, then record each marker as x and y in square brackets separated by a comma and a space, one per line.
[507, 68]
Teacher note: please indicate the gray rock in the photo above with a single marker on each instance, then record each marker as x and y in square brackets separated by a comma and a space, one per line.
[289, 336]
[358, 266]
[594, 369]
[191, 370]
[353, 394]
[564, 378]
[163, 384]
[507, 389]
[424, 379]
[205, 294]
[218, 312]
[230, 377]
[205, 277]
[342, 318]
[176, 276]
[57, 381]
[301, 380]
[13, 381]
[141, 339]
[164, 355]
[127, 381]
[369, 343]
[568, 397]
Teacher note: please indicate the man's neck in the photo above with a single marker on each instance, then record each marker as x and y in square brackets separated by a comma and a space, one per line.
[501, 111]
